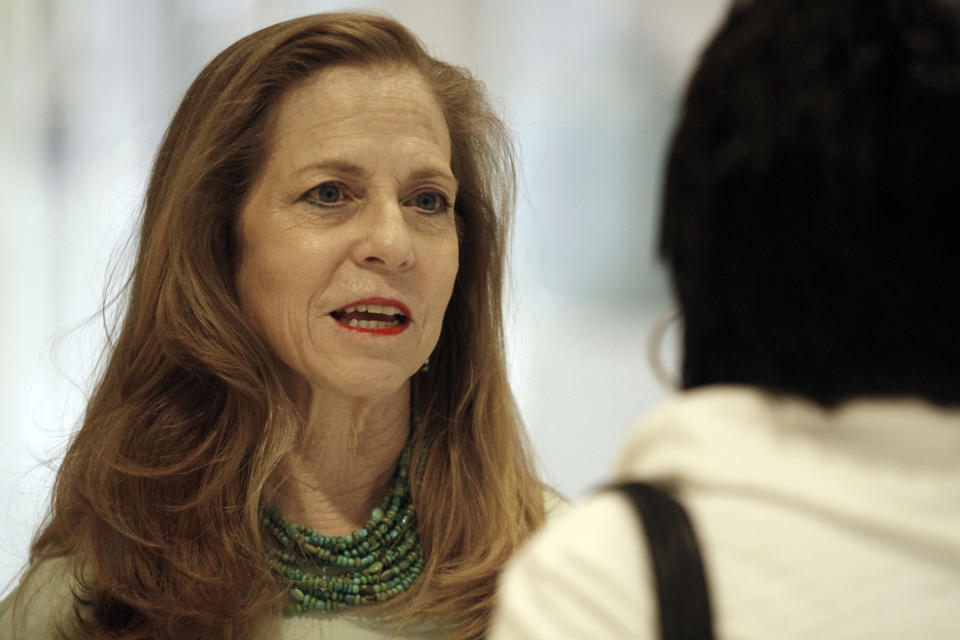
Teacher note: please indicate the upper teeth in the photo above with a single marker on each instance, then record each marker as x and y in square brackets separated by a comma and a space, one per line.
[375, 308]
[372, 324]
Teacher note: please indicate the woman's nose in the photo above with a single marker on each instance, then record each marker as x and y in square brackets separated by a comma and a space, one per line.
[385, 240]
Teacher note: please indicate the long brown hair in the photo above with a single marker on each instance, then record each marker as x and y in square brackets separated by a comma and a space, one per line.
[158, 495]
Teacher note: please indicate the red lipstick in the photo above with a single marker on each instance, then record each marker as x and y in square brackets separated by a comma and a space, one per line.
[374, 316]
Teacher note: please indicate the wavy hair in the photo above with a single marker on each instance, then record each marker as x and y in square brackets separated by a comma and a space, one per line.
[158, 495]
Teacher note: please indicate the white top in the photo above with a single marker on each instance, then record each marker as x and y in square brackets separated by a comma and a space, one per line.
[819, 524]
[46, 599]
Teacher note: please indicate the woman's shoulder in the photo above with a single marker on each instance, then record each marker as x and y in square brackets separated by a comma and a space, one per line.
[41, 602]
[591, 552]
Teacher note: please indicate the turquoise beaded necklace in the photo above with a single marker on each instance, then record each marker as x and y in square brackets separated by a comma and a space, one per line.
[373, 564]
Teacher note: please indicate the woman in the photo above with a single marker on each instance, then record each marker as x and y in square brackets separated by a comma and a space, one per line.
[809, 225]
[306, 406]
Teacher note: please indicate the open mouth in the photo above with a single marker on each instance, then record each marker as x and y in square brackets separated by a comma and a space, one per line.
[380, 318]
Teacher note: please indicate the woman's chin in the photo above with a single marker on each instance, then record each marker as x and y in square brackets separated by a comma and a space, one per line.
[380, 383]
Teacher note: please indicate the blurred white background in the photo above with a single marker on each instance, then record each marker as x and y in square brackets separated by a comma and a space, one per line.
[589, 88]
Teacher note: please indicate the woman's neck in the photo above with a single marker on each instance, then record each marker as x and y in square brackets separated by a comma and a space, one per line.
[345, 463]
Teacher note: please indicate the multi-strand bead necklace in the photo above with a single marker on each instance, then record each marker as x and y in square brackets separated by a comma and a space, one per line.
[373, 564]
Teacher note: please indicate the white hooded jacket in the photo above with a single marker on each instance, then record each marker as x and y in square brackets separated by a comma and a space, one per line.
[841, 524]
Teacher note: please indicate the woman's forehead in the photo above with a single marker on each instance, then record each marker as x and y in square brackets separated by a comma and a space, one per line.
[362, 116]
[344, 100]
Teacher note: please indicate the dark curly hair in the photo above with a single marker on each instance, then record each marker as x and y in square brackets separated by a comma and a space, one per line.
[812, 201]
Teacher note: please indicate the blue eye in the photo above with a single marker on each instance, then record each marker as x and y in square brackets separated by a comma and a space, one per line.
[431, 202]
[326, 194]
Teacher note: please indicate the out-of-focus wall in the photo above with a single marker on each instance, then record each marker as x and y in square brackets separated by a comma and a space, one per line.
[589, 89]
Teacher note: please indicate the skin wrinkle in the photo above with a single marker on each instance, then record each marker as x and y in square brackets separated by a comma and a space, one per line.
[301, 261]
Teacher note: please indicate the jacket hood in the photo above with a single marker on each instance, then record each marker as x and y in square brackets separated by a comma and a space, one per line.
[886, 466]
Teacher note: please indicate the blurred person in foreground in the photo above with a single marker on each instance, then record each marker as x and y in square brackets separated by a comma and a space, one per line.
[306, 405]
[810, 225]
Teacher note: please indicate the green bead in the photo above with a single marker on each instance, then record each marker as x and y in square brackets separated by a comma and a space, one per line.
[331, 573]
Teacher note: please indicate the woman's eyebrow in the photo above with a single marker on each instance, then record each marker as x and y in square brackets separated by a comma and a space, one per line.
[347, 168]
[427, 173]
[342, 167]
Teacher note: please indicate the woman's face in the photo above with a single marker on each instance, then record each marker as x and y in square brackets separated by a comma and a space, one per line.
[348, 243]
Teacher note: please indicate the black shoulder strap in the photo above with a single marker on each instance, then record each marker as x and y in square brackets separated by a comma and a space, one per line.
[682, 594]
